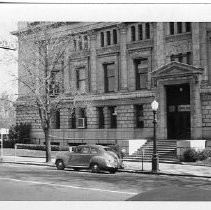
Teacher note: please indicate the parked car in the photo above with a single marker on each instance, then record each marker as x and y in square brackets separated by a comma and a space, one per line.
[93, 157]
[116, 155]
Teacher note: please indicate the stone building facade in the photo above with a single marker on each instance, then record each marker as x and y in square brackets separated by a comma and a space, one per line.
[125, 66]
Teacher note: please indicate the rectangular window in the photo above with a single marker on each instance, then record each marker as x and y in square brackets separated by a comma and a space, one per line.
[139, 116]
[86, 45]
[147, 30]
[74, 45]
[109, 77]
[141, 68]
[189, 58]
[140, 32]
[113, 117]
[133, 33]
[182, 58]
[102, 39]
[188, 26]
[55, 123]
[179, 27]
[115, 36]
[108, 33]
[80, 46]
[82, 114]
[81, 79]
[101, 120]
[171, 26]
[72, 118]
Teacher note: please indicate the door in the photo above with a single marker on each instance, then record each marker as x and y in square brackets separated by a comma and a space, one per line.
[178, 111]
[81, 157]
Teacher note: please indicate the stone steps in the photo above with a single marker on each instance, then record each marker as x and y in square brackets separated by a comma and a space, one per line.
[166, 150]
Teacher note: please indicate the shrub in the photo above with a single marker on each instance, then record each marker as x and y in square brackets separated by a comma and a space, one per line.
[204, 154]
[118, 150]
[190, 155]
[20, 133]
[8, 143]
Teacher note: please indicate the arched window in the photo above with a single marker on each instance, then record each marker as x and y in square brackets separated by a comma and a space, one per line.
[147, 30]
[133, 33]
[108, 33]
[115, 36]
[102, 39]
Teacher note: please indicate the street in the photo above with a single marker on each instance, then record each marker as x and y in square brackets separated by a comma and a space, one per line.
[44, 183]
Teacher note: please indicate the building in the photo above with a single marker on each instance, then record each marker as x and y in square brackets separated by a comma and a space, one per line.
[125, 65]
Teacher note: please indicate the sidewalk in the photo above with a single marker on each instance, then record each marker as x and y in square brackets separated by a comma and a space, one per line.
[132, 167]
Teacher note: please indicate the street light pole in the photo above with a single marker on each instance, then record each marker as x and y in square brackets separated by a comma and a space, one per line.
[155, 159]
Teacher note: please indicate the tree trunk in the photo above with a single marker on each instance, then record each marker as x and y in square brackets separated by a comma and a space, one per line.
[48, 146]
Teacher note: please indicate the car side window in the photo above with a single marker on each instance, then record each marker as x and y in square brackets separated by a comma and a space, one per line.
[94, 151]
[84, 150]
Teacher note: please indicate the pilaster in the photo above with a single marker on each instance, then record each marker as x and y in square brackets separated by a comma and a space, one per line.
[123, 56]
[159, 44]
[196, 44]
[93, 72]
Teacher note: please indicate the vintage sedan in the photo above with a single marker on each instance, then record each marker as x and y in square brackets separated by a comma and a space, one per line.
[93, 157]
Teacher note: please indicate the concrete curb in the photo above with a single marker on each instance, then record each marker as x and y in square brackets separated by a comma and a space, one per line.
[120, 170]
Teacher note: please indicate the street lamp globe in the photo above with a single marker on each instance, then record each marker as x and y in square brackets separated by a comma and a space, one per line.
[154, 105]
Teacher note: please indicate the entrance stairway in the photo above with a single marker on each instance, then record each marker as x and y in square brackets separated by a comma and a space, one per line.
[166, 150]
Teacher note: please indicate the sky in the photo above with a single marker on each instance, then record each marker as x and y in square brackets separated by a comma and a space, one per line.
[8, 67]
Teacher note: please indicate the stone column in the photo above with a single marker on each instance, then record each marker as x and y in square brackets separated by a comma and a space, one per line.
[204, 50]
[209, 55]
[93, 66]
[196, 44]
[123, 56]
[159, 44]
[196, 115]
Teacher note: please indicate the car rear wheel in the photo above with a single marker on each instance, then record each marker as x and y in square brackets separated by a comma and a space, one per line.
[112, 171]
[76, 169]
[95, 168]
[60, 165]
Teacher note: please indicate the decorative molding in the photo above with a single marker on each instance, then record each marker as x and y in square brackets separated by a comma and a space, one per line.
[92, 34]
[114, 49]
[178, 37]
[122, 27]
[175, 70]
[79, 55]
[140, 44]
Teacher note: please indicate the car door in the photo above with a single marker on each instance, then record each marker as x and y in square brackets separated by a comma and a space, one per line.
[81, 158]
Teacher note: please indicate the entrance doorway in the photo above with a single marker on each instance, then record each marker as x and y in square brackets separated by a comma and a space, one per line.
[178, 111]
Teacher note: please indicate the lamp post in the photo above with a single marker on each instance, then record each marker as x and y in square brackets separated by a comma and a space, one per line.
[155, 160]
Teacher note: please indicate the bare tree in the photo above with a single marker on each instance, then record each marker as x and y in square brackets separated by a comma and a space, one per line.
[7, 110]
[42, 59]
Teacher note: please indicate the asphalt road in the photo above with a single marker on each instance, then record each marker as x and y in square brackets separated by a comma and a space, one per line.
[42, 183]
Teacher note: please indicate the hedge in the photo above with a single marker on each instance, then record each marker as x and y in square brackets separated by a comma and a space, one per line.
[191, 155]
[41, 147]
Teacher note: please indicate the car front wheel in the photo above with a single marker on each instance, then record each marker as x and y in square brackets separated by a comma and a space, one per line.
[60, 165]
[95, 168]
[112, 171]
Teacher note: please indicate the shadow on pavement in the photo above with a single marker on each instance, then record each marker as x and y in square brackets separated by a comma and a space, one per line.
[174, 194]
